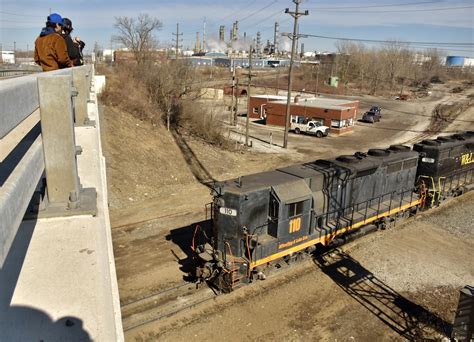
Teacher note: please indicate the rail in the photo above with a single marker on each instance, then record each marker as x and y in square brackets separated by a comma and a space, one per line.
[16, 72]
[38, 167]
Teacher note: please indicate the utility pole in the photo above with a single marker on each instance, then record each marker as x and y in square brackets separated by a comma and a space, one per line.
[204, 35]
[247, 119]
[294, 37]
[177, 40]
[236, 99]
[317, 78]
[231, 118]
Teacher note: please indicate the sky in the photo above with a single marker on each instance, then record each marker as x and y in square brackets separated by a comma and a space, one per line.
[444, 21]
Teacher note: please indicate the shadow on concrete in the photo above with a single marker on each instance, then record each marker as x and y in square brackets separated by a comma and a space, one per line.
[197, 168]
[15, 156]
[410, 320]
[24, 323]
[183, 239]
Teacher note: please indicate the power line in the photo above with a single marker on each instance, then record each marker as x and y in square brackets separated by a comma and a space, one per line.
[377, 6]
[22, 15]
[398, 11]
[389, 42]
[260, 21]
[14, 21]
[258, 11]
[233, 11]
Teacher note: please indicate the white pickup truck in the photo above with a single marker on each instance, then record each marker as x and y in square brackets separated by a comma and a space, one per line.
[310, 127]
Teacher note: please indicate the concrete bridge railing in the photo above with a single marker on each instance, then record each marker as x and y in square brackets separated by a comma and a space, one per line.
[38, 166]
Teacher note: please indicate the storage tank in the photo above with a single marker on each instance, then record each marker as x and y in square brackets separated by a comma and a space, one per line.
[455, 61]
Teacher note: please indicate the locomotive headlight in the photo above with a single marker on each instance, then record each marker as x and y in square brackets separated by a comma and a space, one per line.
[427, 160]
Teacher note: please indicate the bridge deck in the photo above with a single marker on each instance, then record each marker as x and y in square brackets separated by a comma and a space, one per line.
[58, 281]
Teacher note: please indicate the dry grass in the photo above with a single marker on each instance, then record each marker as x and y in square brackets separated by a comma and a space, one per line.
[126, 92]
[130, 89]
[200, 121]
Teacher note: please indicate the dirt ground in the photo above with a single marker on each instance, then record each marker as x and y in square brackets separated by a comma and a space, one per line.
[157, 194]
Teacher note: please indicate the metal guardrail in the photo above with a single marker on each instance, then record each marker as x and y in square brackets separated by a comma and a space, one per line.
[61, 99]
[16, 72]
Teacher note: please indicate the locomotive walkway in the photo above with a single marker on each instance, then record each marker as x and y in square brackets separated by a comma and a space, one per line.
[57, 275]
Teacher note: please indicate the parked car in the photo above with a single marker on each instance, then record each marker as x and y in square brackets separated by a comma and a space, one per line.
[311, 127]
[376, 109]
[403, 97]
[371, 117]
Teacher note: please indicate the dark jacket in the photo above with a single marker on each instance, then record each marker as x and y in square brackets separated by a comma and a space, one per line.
[74, 50]
[51, 50]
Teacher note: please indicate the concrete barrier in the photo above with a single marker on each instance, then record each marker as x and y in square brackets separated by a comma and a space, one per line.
[23, 156]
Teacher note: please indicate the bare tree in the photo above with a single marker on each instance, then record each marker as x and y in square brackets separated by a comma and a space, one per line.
[98, 50]
[395, 55]
[433, 64]
[167, 84]
[136, 34]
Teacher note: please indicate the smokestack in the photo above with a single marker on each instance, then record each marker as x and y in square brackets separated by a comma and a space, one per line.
[302, 49]
[275, 37]
[235, 31]
[204, 35]
[259, 43]
[221, 33]
[198, 42]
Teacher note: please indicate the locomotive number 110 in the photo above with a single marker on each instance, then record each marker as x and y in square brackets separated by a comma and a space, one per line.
[295, 225]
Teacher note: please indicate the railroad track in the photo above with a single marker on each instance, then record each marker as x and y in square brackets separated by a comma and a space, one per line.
[170, 301]
[163, 304]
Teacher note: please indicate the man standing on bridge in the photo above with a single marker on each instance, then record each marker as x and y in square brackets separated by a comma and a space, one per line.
[50, 46]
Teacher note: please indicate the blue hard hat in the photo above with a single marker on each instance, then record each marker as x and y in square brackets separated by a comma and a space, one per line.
[55, 19]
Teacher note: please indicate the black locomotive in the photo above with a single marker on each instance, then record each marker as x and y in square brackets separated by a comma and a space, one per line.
[271, 217]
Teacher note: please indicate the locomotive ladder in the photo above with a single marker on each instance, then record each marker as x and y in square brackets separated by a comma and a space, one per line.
[234, 267]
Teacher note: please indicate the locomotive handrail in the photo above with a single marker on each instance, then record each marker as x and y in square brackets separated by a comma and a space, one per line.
[365, 218]
[26, 103]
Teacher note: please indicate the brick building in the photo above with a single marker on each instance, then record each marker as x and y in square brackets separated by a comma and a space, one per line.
[339, 114]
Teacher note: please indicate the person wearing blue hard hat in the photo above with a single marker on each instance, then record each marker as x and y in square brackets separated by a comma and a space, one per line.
[50, 47]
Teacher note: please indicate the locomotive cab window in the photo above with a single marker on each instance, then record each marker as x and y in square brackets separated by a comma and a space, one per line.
[295, 209]
[273, 208]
